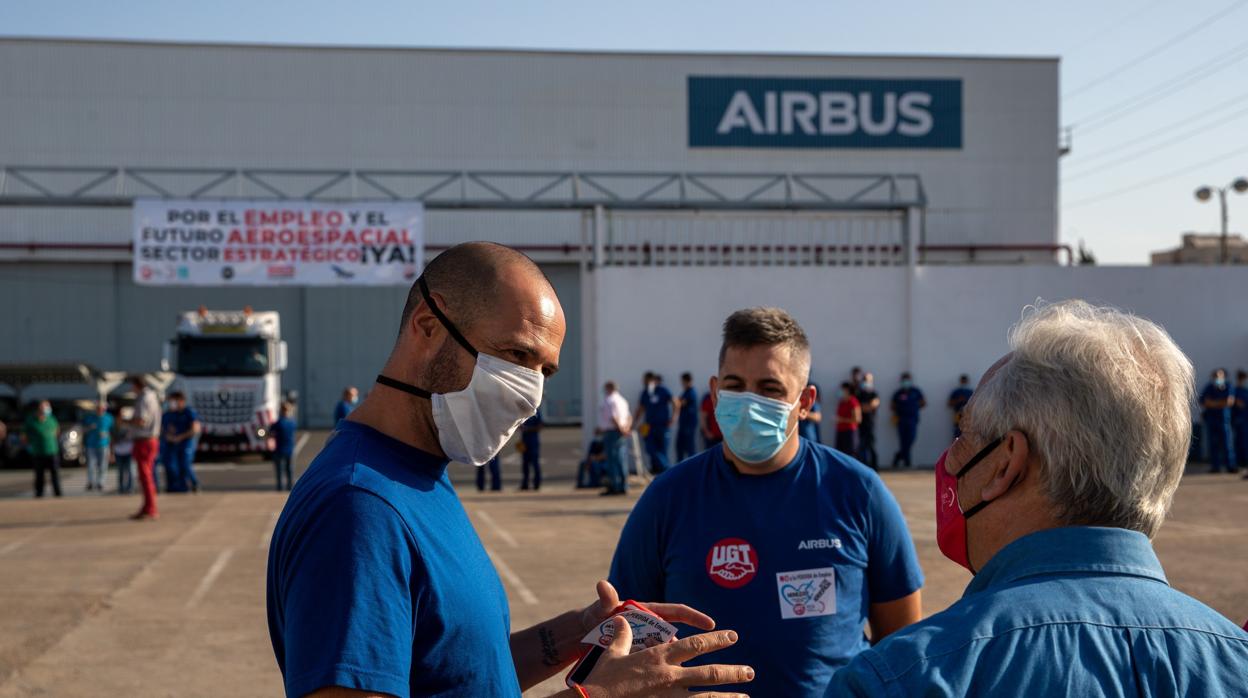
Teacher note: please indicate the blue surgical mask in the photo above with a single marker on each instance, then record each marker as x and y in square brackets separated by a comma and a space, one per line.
[905, 384]
[755, 428]
[1220, 382]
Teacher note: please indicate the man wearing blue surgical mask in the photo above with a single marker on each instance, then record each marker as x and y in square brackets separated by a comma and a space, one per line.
[377, 582]
[797, 545]
[1217, 399]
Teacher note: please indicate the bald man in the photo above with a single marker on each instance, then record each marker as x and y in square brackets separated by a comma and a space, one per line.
[377, 582]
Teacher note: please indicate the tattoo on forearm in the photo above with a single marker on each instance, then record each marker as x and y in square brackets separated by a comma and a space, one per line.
[550, 653]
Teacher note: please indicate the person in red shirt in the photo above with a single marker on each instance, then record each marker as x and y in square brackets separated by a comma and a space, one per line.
[710, 428]
[848, 417]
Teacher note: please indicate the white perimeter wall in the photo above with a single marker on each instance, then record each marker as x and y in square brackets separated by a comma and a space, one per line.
[936, 322]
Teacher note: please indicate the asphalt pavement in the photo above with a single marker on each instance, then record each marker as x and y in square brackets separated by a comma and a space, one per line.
[98, 605]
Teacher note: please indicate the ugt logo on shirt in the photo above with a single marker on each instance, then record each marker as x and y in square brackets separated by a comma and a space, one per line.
[732, 563]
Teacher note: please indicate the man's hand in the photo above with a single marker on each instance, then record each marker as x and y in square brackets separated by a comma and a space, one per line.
[657, 671]
[609, 599]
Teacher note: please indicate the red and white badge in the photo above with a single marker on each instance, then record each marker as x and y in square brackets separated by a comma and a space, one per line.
[648, 629]
[807, 593]
[732, 563]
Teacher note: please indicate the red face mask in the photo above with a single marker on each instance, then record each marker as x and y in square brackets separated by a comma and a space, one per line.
[950, 518]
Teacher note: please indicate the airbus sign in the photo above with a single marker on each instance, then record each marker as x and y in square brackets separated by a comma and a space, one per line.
[752, 112]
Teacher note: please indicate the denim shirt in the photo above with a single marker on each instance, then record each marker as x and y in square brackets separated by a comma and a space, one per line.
[1075, 611]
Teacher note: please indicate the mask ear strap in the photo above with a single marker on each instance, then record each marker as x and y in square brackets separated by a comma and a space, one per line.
[405, 387]
[983, 453]
[446, 322]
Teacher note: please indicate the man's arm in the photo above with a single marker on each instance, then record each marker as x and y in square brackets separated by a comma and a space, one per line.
[344, 584]
[889, 617]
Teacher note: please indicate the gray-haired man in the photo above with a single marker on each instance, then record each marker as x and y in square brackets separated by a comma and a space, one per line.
[1072, 448]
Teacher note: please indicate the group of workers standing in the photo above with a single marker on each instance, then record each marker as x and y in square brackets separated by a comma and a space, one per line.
[659, 411]
[1225, 411]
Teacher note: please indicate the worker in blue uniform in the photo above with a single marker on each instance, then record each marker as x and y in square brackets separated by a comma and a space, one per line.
[181, 427]
[906, 403]
[531, 451]
[809, 428]
[1239, 419]
[1217, 399]
[658, 406]
[957, 400]
[687, 423]
[795, 545]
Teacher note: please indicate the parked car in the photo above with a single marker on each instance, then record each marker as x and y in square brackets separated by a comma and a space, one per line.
[11, 438]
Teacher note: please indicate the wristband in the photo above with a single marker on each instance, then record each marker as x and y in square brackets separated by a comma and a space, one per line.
[581, 690]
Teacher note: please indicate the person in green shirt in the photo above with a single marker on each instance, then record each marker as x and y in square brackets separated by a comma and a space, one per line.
[39, 434]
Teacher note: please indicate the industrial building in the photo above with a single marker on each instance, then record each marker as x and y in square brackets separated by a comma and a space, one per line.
[688, 166]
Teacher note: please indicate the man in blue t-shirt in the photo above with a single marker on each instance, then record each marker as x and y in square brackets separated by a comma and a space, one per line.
[957, 401]
[350, 398]
[796, 544]
[1217, 399]
[377, 582]
[283, 431]
[687, 424]
[658, 406]
[906, 403]
[1239, 419]
[181, 427]
[809, 428]
[531, 451]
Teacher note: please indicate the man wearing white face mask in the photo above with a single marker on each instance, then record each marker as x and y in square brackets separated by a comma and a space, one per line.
[377, 582]
[793, 542]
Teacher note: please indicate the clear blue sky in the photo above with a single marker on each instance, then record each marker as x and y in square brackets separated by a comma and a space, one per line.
[1126, 190]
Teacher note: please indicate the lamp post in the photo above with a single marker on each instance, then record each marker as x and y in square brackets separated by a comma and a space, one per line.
[1240, 185]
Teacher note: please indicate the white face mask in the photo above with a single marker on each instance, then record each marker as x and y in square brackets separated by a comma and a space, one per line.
[475, 423]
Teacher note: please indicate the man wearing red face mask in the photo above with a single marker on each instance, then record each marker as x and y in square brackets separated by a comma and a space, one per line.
[1072, 448]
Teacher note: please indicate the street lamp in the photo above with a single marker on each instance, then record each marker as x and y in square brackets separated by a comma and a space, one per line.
[1240, 185]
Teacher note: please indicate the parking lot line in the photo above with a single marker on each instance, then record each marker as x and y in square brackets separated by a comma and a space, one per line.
[218, 566]
[498, 530]
[14, 545]
[299, 444]
[522, 591]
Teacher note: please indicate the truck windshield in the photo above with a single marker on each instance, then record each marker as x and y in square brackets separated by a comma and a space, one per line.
[223, 356]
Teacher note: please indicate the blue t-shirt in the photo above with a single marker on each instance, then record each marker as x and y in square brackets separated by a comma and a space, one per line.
[530, 434]
[658, 406]
[180, 422]
[378, 582]
[342, 409]
[1077, 611]
[906, 403]
[1213, 392]
[959, 396]
[283, 431]
[97, 429]
[808, 428]
[792, 560]
[688, 419]
[1239, 412]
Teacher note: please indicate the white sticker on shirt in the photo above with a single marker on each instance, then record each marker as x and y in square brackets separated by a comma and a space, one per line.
[807, 593]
